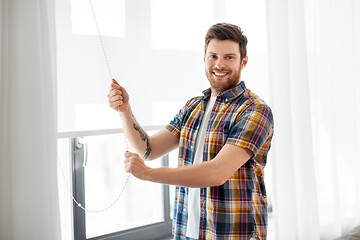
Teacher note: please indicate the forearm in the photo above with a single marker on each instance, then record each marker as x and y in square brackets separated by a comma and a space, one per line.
[209, 173]
[135, 134]
[196, 176]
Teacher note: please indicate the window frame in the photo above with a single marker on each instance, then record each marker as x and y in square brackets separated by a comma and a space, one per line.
[152, 231]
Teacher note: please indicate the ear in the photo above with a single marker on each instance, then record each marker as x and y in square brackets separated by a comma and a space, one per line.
[244, 61]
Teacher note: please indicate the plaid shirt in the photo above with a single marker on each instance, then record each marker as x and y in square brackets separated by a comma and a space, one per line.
[238, 208]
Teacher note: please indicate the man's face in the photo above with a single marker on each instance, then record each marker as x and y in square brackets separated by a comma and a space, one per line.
[222, 64]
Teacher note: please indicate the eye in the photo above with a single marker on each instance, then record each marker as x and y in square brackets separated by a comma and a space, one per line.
[212, 57]
[229, 57]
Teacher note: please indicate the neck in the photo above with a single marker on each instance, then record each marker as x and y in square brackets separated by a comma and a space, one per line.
[214, 92]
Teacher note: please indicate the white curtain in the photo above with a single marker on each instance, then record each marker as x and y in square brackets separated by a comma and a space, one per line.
[28, 175]
[314, 61]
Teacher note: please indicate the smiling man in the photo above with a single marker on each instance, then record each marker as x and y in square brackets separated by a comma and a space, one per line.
[223, 137]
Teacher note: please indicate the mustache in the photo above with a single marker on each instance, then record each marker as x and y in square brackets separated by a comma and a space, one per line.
[220, 69]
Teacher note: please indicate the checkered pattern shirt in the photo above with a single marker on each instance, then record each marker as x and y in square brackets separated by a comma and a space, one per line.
[238, 208]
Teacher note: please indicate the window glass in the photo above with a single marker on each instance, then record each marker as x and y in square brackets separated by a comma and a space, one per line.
[141, 203]
[151, 75]
[110, 16]
[180, 25]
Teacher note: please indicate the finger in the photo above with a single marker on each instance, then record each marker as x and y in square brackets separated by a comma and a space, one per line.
[128, 154]
[115, 98]
[114, 86]
[126, 168]
[127, 164]
[116, 105]
[114, 92]
[114, 81]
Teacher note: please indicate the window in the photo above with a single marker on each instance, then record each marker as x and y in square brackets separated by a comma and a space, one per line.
[84, 114]
[114, 201]
[155, 50]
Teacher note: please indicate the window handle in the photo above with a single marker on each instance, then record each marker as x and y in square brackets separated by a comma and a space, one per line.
[81, 143]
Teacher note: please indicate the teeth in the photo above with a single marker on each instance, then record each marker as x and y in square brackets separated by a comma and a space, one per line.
[220, 74]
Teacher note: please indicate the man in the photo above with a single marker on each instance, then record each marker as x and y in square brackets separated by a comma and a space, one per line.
[223, 138]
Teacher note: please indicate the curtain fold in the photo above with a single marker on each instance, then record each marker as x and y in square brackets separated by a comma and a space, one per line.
[295, 195]
[29, 207]
[313, 61]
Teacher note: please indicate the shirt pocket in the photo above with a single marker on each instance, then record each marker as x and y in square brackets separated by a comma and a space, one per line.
[222, 126]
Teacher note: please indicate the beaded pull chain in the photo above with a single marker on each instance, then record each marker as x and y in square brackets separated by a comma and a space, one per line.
[80, 205]
[101, 41]
[127, 146]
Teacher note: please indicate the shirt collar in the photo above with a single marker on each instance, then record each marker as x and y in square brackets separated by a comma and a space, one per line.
[229, 94]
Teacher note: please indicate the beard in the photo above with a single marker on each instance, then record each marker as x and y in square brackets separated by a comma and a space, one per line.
[229, 81]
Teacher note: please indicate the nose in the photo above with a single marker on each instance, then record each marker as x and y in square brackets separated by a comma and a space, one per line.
[220, 63]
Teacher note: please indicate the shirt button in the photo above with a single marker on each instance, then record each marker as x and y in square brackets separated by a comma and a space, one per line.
[254, 237]
[191, 147]
[226, 99]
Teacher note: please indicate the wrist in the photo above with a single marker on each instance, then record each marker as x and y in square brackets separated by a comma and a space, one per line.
[149, 175]
[125, 111]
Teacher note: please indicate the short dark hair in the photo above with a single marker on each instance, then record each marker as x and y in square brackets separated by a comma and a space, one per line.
[227, 31]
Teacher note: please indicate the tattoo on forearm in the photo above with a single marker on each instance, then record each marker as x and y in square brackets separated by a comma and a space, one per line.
[143, 136]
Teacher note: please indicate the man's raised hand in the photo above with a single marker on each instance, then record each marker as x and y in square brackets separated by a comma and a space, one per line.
[118, 97]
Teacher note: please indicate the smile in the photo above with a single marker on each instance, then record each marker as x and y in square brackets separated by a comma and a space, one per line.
[220, 74]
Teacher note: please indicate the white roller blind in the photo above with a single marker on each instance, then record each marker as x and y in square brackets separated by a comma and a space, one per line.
[154, 48]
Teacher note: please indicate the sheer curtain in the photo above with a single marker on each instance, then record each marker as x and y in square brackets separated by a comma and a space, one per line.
[28, 175]
[314, 59]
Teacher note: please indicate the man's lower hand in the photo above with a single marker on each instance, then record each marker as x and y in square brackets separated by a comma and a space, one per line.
[135, 165]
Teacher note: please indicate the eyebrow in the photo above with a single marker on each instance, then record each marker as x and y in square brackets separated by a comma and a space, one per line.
[226, 54]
